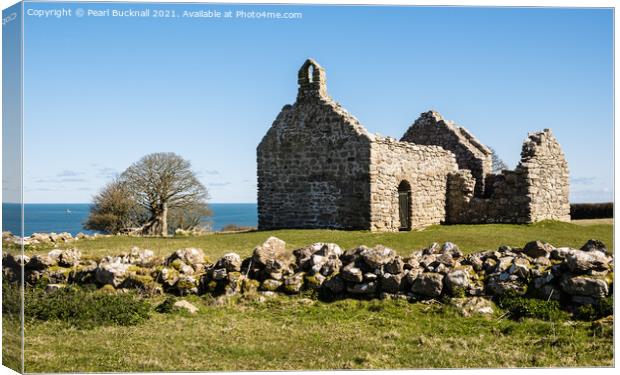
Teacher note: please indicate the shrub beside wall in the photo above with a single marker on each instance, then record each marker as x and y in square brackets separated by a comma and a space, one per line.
[591, 211]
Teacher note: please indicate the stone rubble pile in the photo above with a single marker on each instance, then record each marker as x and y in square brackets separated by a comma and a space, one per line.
[538, 270]
[44, 238]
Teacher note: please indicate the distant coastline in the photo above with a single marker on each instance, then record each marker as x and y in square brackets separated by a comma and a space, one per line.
[68, 217]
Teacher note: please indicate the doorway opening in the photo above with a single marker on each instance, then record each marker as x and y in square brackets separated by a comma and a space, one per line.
[404, 205]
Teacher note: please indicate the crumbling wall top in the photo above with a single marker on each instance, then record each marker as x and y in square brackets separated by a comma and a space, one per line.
[431, 129]
[433, 119]
[540, 145]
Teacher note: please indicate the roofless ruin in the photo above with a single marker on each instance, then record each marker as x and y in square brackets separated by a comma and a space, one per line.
[318, 167]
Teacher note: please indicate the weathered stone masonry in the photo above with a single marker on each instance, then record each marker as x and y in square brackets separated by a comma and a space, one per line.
[424, 168]
[536, 190]
[313, 163]
[318, 167]
[432, 129]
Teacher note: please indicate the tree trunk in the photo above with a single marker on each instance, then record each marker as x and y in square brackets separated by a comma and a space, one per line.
[164, 219]
[157, 224]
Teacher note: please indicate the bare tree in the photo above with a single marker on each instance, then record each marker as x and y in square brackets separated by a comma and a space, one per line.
[498, 164]
[162, 182]
[114, 209]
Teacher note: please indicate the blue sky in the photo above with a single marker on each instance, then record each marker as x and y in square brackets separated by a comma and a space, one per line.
[100, 92]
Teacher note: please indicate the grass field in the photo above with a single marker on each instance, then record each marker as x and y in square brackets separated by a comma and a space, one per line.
[295, 333]
[469, 238]
[299, 333]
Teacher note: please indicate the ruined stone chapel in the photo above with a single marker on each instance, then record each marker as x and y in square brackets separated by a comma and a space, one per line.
[318, 167]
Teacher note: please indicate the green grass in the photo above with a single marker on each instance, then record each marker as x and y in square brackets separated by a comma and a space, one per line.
[469, 238]
[11, 326]
[290, 333]
[11, 341]
[86, 308]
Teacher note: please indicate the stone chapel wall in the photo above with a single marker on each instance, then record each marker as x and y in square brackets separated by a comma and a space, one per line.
[424, 168]
[431, 129]
[536, 190]
[313, 163]
[548, 179]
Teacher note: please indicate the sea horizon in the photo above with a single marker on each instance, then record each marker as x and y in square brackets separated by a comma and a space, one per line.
[69, 217]
[89, 203]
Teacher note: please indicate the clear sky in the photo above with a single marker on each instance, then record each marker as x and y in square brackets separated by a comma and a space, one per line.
[100, 92]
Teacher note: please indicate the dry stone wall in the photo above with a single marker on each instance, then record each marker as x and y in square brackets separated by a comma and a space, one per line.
[537, 270]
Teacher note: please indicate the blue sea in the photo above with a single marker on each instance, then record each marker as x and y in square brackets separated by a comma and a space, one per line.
[59, 217]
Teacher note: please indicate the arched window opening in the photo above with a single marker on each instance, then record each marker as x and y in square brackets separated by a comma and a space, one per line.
[310, 73]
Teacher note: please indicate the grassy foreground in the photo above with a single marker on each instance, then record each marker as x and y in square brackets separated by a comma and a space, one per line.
[289, 333]
[469, 238]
